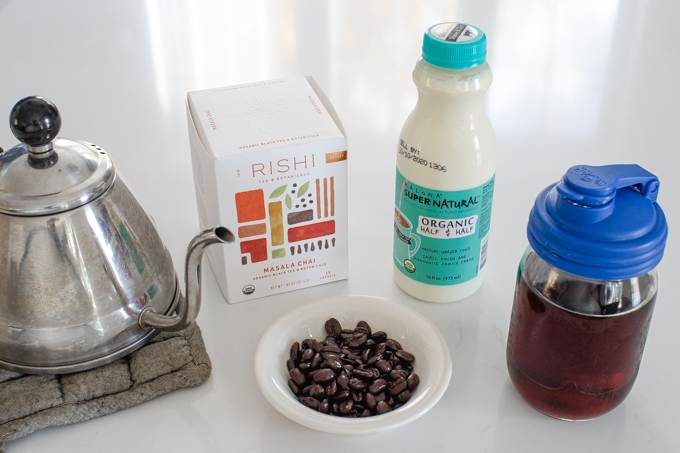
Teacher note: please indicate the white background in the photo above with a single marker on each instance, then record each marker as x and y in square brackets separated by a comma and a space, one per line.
[575, 82]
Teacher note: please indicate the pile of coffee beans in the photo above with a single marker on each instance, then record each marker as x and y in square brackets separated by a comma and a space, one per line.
[352, 373]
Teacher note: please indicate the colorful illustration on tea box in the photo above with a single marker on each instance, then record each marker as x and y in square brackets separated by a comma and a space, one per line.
[311, 231]
[250, 206]
[297, 227]
[257, 249]
[300, 216]
[252, 230]
[276, 222]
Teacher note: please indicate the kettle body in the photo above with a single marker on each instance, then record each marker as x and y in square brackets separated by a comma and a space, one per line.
[72, 284]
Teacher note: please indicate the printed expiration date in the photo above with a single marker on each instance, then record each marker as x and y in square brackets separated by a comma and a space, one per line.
[413, 154]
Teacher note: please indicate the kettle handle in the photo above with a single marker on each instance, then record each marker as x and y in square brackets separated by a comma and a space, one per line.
[188, 308]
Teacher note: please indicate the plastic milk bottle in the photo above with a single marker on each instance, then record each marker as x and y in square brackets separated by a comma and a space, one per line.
[446, 165]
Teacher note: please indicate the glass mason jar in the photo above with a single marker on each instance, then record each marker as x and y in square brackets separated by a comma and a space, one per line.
[585, 291]
[575, 343]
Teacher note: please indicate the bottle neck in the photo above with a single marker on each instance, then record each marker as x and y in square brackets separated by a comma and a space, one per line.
[451, 84]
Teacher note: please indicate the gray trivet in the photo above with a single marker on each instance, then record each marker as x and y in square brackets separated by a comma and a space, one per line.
[170, 361]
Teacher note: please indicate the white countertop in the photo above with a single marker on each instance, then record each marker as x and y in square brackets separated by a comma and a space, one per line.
[576, 82]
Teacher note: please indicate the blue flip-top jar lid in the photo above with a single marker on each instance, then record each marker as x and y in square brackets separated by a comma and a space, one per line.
[454, 45]
[600, 222]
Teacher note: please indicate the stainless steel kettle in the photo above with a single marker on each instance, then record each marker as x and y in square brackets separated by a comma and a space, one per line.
[84, 276]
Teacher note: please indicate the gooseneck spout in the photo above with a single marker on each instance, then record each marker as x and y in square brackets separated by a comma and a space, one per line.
[188, 308]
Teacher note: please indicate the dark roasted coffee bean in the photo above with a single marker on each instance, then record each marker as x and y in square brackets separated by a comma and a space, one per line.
[370, 401]
[369, 343]
[293, 387]
[342, 395]
[366, 413]
[334, 364]
[305, 366]
[307, 344]
[324, 406]
[346, 407]
[297, 376]
[357, 340]
[324, 376]
[294, 351]
[332, 348]
[311, 374]
[384, 366]
[382, 407]
[396, 374]
[357, 384]
[317, 345]
[404, 396]
[333, 327]
[398, 367]
[305, 391]
[317, 392]
[381, 349]
[307, 355]
[290, 364]
[405, 356]
[357, 397]
[365, 325]
[363, 374]
[376, 373]
[398, 386]
[365, 355]
[391, 401]
[393, 344]
[361, 330]
[353, 357]
[332, 388]
[379, 336]
[395, 361]
[316, 361]
[335, 407]
[348, 368]
[379, 385]
[413, 381]
[374, 359]
[343, 380]
[329, 341]
[309, 402]
[380, 397]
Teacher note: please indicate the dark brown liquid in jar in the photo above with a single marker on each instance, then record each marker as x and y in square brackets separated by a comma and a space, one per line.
[572, 366]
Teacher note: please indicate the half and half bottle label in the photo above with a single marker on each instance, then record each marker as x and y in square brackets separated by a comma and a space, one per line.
[441, 237]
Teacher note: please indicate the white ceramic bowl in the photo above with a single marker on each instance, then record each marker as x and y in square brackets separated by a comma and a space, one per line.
[415, 333]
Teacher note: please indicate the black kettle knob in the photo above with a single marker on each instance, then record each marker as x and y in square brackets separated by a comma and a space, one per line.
[35, 121]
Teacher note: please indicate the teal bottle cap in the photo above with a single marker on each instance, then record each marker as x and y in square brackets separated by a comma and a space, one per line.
[454, 45]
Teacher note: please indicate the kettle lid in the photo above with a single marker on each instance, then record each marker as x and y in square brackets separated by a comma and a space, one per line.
[45, 174]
